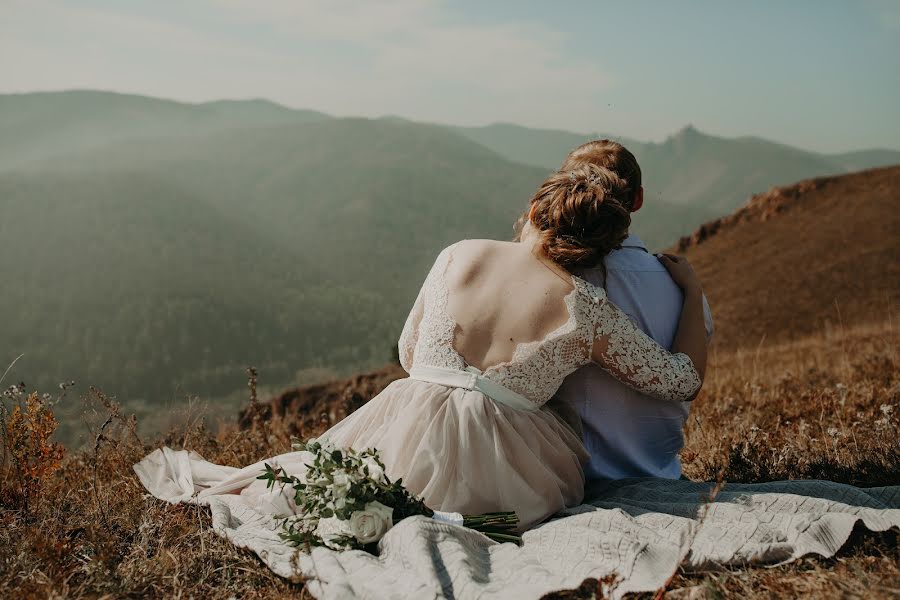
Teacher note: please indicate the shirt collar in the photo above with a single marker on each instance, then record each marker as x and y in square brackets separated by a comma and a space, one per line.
[633, 241]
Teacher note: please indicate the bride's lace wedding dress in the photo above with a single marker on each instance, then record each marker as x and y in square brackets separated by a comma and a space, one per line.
[468, 440]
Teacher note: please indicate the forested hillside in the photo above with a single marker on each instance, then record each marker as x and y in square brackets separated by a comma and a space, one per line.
[151, 268]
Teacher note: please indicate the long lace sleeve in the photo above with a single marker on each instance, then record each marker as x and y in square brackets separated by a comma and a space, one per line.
[409, 337]
[635, 359]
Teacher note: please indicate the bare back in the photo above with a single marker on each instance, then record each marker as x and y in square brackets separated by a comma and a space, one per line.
[500, 296]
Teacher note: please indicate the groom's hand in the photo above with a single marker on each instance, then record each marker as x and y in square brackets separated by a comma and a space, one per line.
[681, 271]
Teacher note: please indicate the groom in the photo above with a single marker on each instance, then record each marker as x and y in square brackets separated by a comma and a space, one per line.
[627, 433]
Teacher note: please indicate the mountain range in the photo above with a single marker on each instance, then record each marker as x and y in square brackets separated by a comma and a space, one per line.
[155, 248]
[689, 178]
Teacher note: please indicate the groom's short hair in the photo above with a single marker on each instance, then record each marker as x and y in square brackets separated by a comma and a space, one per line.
[612, 155]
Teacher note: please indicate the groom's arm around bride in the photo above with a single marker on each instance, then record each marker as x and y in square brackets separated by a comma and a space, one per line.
[627, 433]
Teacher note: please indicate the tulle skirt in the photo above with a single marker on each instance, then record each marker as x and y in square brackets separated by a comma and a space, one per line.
[456, 448]
[465, 453]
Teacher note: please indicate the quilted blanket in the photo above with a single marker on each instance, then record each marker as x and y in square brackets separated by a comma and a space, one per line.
[640, 529]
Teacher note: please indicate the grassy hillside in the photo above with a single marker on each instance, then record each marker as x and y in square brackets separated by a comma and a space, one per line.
[815, 256]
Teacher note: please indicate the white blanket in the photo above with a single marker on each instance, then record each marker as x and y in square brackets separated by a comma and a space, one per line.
[640, 529]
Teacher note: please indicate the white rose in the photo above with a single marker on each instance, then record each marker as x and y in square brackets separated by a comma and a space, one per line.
[330, 528]
[341, 484]
[370, 524]
[376, 473]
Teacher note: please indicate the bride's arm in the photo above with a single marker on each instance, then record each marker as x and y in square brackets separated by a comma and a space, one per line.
[409, 337]
[635, 359]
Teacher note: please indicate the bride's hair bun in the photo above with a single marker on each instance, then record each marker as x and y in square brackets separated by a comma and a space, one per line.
[581, 215]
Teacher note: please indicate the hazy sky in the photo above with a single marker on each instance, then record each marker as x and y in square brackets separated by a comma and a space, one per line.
[819, 74]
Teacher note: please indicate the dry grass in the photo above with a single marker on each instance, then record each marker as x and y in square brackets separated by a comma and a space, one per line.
[92, 531]
[825, 407]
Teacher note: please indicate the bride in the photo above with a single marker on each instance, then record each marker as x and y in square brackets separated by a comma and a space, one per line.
[495, 329]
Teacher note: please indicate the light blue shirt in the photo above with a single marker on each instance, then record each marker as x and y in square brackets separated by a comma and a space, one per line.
[627, 433]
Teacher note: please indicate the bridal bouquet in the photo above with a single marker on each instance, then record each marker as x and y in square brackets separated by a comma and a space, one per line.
[346, 501]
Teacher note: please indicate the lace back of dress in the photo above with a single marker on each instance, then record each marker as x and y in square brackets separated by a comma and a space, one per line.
[596, 330]
[536, 369]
